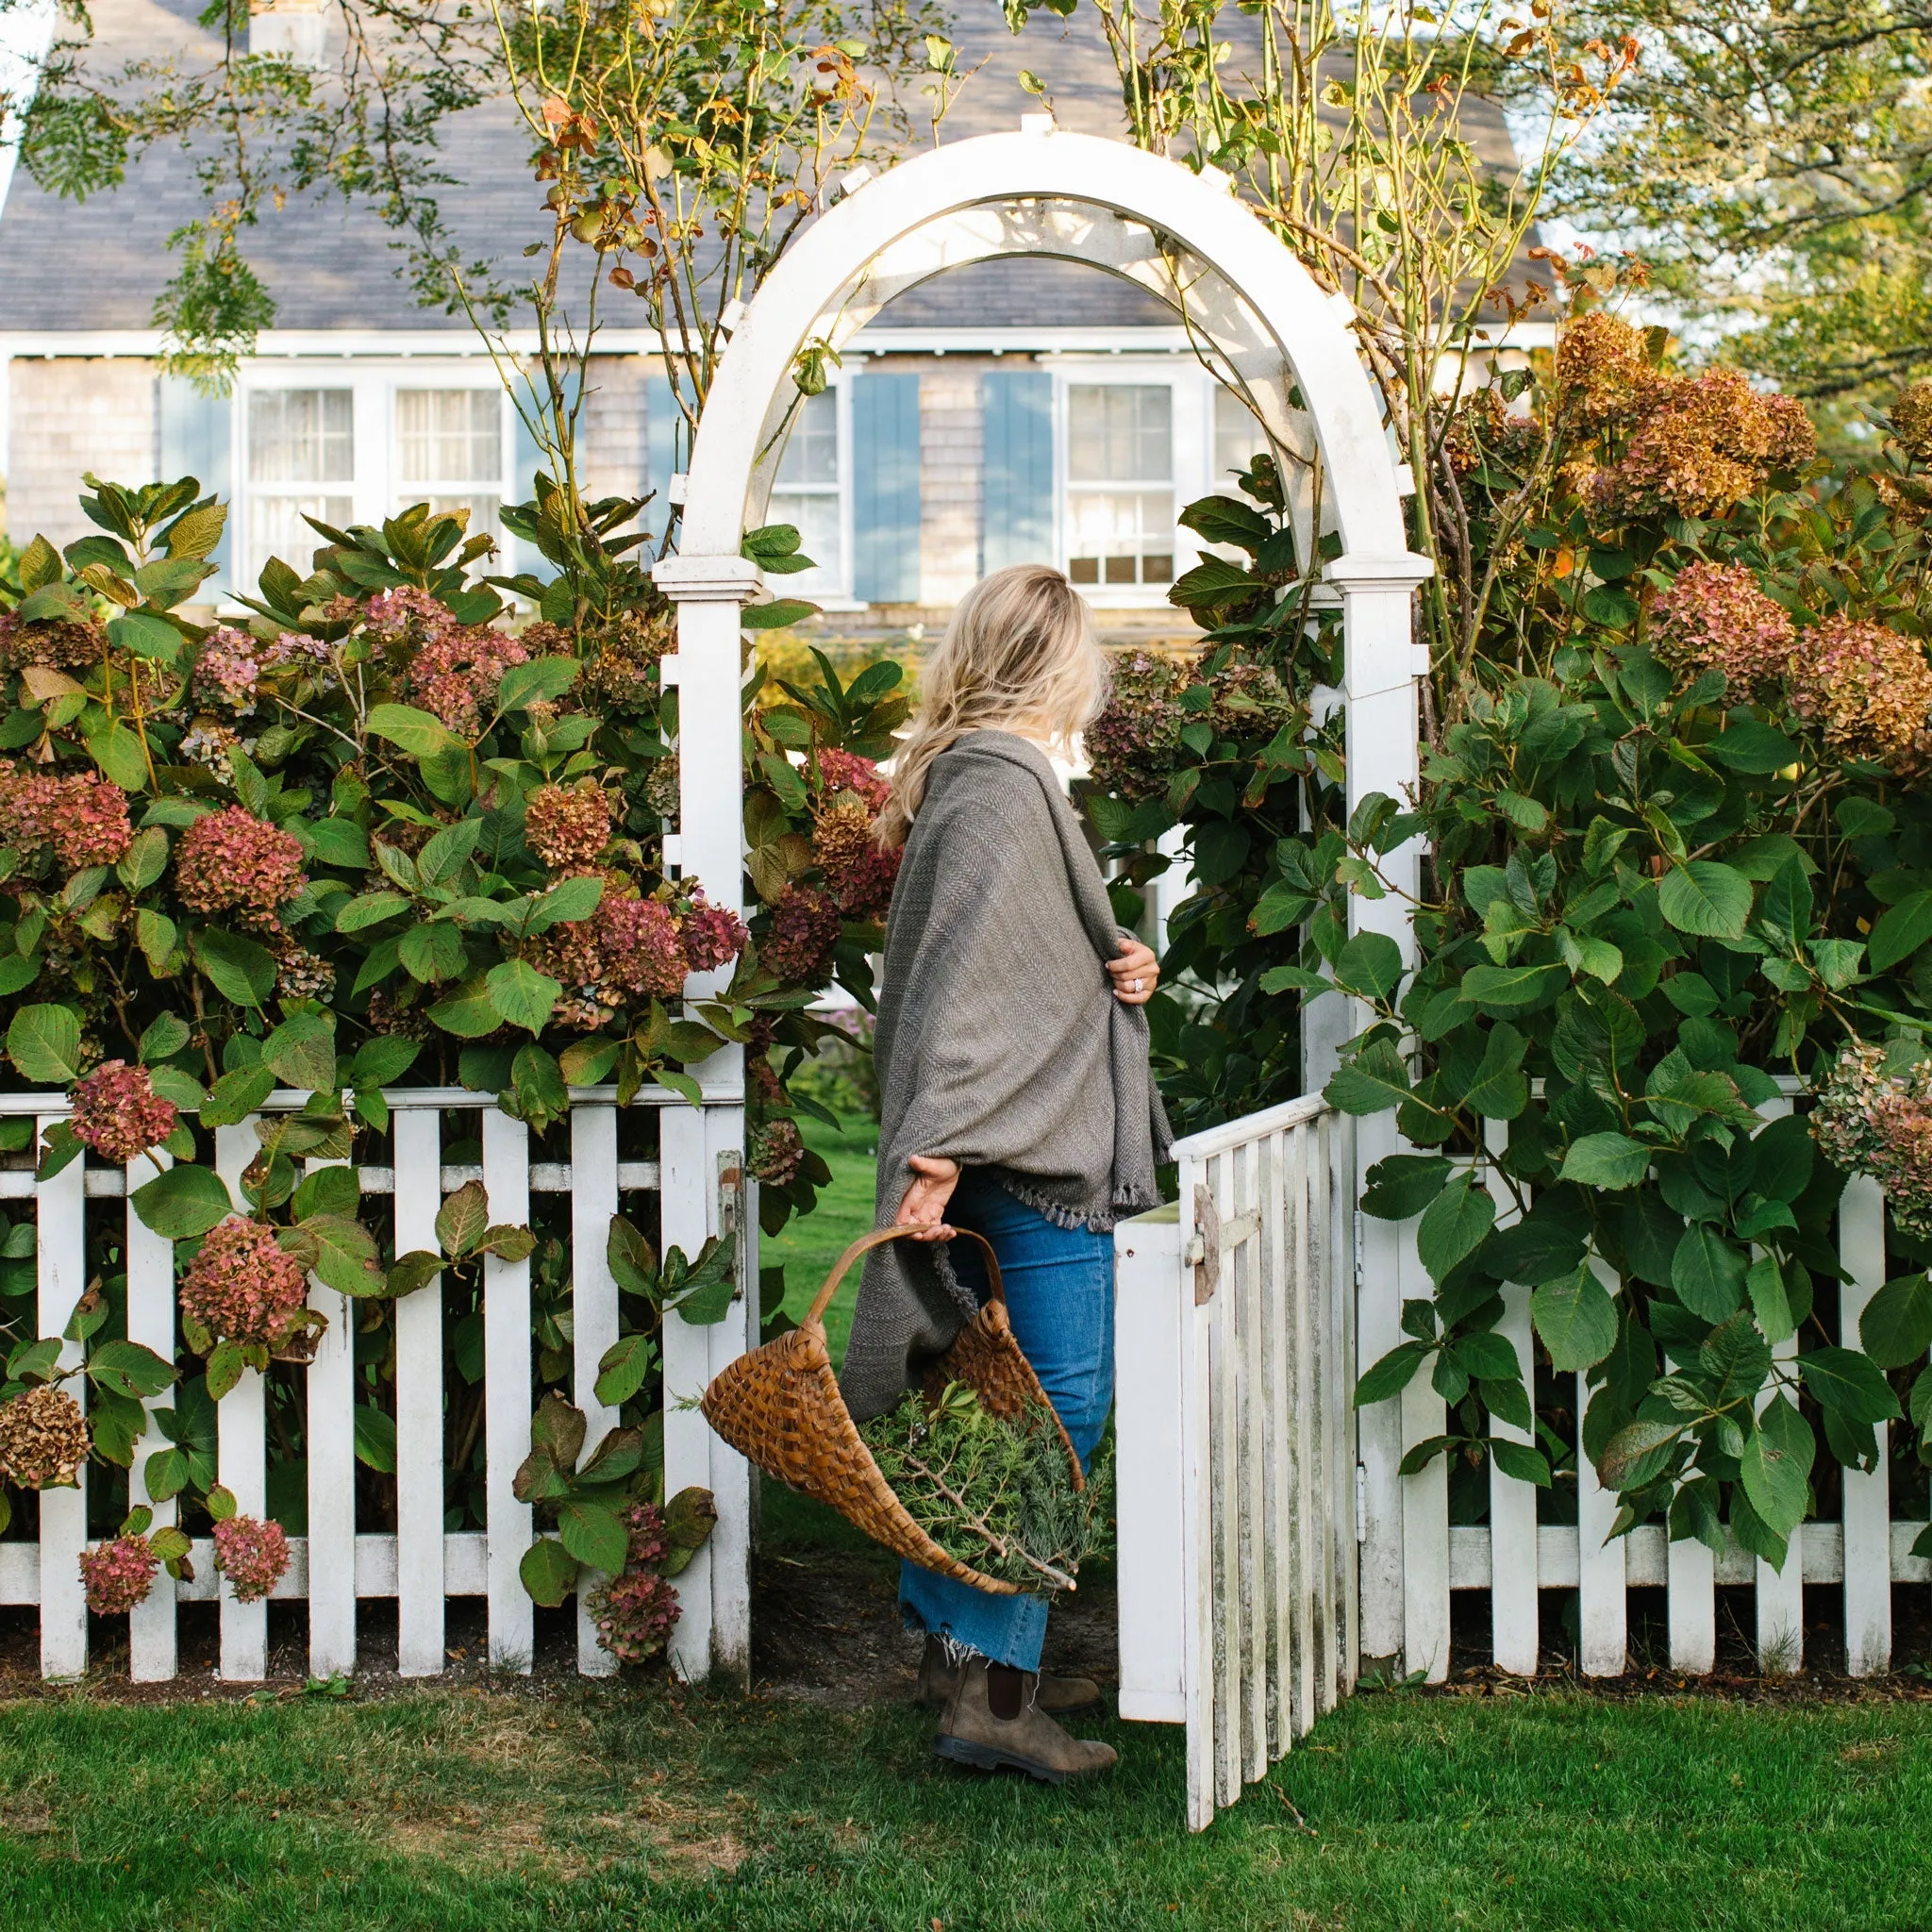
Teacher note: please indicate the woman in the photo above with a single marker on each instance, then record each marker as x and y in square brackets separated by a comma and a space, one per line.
[1016, 1101]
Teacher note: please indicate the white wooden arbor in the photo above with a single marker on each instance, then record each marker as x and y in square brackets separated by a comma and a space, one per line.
[1270, 330]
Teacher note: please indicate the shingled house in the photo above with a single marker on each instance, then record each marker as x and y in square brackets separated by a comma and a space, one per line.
[1016, 408]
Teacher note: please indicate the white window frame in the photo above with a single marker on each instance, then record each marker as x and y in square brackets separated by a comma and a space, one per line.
[833, 591]
[1192, 441]
[373, 382]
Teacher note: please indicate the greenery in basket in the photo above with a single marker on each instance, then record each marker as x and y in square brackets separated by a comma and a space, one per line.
[996, 1495]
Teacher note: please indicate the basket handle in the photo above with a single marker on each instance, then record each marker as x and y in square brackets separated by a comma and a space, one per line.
[879, 1237]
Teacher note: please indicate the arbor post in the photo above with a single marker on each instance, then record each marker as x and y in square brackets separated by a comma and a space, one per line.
[701, 1150]
[1405, 1586]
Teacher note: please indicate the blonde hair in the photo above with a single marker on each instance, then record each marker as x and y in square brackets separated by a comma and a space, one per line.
[1020, 651]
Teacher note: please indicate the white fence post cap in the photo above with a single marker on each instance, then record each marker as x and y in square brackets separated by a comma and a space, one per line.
[729, 579]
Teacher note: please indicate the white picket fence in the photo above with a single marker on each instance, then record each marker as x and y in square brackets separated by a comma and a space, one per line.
[1235, 1447]
[698, 1177]
[1413, 1559]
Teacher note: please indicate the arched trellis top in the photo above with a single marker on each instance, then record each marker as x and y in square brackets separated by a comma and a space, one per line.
[1184, 236]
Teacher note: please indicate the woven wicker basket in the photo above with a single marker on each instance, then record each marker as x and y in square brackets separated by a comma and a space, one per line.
[780, 1407]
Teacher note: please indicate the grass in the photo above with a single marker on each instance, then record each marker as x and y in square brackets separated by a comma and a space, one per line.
[808, 1246]
[503, 1807]
[630, 1807]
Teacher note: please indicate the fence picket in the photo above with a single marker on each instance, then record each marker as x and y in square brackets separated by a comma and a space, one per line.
[593, 1311]
[416, 1133]
[1603, 1614]
[1867, 1492]
[1781, 1593]
[241, 1447]
[1692, 1589]
[728, 1193]
[61, 1242]
[153, 1651]
[1310, 1571]
[688, 1443]
[1514, 1618]
[329, 1428]
[1425, 1529]
[1197, 1548]
[506, 1394]
[1283, 1515]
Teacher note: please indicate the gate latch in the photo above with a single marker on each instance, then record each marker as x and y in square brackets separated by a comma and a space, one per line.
[1204, 1251]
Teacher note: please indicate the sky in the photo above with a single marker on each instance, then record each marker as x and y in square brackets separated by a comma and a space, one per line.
[24, 32]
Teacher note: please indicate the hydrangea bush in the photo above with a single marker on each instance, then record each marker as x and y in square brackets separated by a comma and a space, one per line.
[404, 821]
[1679, 842]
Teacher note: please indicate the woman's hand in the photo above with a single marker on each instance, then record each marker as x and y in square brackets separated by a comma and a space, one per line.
[923, 1205]
[1136, 972]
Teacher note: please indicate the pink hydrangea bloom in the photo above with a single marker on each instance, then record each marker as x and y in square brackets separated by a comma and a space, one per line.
[227, 670]
[230, 860]
[252, 1555]
[118, 1574]
[118, 1114]
[638, 946]
[1714, 617]
[713, 934]
[242, 1286]
[845, 771]
[452, 669]
[83, 818]
[634, 1613]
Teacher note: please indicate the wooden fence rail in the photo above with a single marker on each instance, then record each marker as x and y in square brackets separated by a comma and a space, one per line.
[698, 1178]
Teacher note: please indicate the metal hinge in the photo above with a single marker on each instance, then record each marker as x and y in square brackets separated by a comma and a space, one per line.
[1361, 1502]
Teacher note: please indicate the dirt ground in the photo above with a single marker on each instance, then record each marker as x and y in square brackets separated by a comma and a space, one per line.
[826, 1627]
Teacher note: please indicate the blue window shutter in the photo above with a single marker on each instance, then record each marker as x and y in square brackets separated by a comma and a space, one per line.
[195, 441]
[1016, 515]
[664, 450]
[885, 489]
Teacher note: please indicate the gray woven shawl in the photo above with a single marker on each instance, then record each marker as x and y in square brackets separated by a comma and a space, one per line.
[999, 1043]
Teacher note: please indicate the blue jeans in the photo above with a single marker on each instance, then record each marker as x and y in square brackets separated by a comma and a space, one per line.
[1060, 1298]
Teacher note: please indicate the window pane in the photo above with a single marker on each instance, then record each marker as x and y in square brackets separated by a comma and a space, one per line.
[1120, 537]
[449, 436]
[811, 452]
[1237, 438]
[815, 516]
[1120, 432]
[276, 527]
[300, 436]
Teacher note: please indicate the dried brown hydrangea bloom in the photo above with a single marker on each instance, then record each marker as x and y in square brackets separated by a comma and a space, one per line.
[1874, 1122]
[56, 643]
[1704, 444]
[567, 826]
[1911, 419]
[43, 1439]
[1714, 617]
[1604, 372]
[1871, 689]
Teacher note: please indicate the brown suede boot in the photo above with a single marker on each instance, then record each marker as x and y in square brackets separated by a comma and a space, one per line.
[938, 1676]
[972, 1731]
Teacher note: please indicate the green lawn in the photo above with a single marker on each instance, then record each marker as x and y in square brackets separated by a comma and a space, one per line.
[809, 1245]
[622, 1807]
